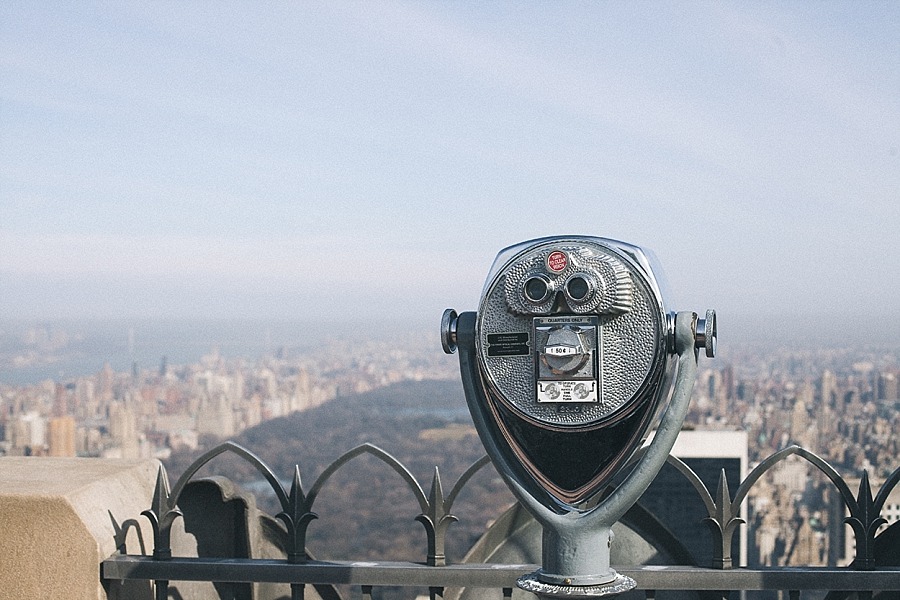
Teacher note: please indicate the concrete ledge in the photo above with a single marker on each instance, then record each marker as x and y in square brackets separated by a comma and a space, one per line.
[58, 519]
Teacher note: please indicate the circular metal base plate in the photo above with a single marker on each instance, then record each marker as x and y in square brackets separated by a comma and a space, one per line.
[531, 583]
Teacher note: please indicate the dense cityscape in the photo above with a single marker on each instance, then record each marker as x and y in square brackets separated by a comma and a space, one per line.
[841, 403]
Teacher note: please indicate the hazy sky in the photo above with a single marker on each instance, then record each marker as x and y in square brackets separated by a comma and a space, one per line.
[307, 160]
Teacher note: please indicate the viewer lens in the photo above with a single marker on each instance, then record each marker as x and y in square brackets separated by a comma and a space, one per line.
[577, 288]
[536, 289]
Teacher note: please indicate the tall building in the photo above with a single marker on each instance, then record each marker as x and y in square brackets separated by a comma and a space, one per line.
[61, 438]
[887, 387]
[28, 433]
[106, 378]
[122, 423]
[801, 424]
[216, 416]
[828, 389]
[674, 502]
[60, 401]
[123, 429]
[726, 390]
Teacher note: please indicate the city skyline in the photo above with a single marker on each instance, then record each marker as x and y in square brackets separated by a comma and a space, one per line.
[313, 162]
[840, 405]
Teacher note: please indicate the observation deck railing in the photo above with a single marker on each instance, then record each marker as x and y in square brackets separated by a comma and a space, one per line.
[875, 569]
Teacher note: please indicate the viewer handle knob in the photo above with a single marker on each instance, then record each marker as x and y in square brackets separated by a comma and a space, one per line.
[705, 336]
[448, 330]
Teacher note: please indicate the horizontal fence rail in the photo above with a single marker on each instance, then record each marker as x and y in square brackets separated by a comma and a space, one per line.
[489, 575]
[867, 573]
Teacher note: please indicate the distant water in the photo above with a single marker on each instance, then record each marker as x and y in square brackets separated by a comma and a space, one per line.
[61, 350]
[33, 351]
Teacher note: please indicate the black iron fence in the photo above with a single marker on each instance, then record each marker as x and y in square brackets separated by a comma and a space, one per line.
[874, 570]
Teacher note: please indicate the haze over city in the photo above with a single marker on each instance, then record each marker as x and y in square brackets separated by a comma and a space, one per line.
[314, 161]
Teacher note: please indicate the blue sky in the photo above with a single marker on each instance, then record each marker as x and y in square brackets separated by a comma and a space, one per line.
[301, 160]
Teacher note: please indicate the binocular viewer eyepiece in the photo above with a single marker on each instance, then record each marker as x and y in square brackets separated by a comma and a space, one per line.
[565, 366]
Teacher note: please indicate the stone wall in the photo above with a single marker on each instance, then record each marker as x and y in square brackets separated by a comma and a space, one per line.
[58, 521]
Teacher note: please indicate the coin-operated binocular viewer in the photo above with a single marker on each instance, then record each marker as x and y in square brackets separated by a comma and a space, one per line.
[565, 367]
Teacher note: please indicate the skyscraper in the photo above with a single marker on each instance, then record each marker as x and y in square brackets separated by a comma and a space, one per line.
[61, 439]
[678, 507]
